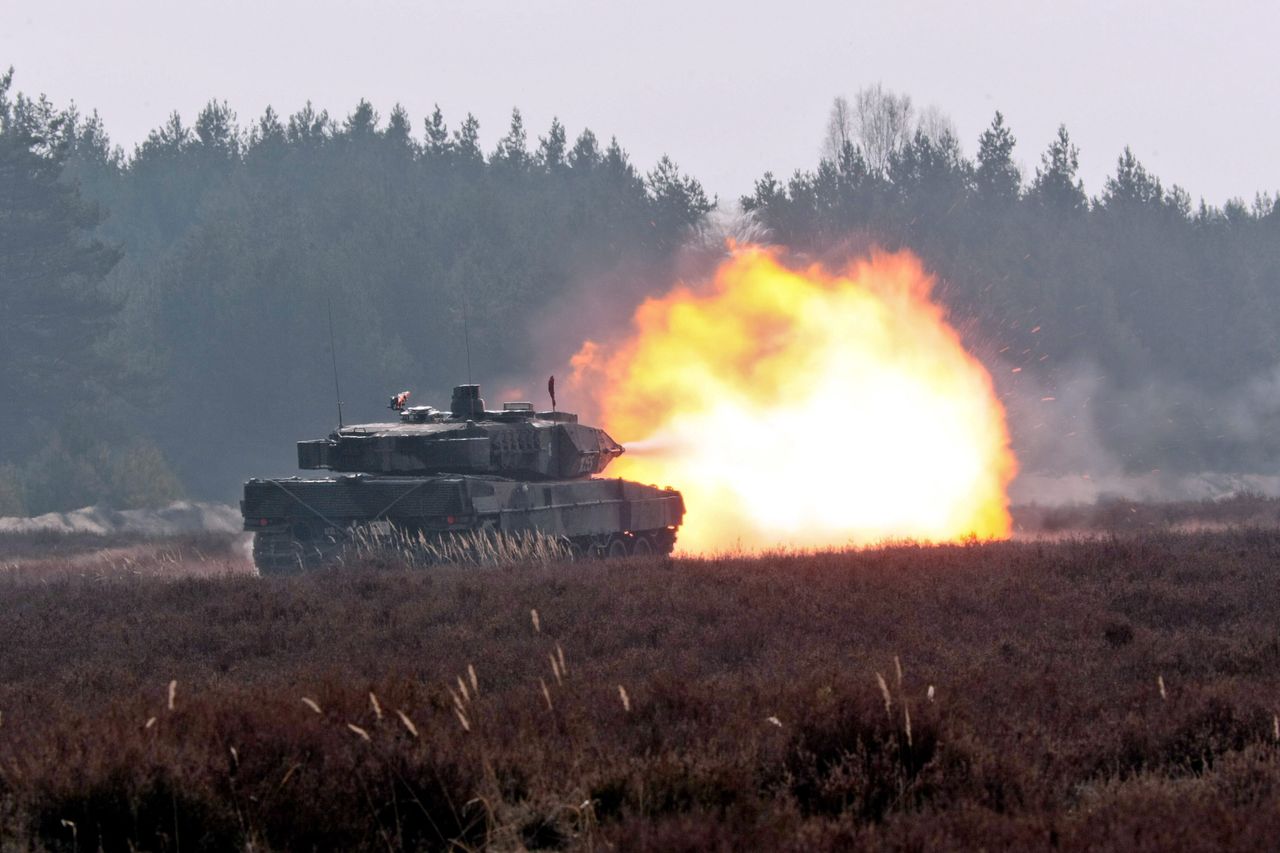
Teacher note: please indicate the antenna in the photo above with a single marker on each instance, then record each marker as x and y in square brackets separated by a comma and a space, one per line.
[333, 351]
[466, 337]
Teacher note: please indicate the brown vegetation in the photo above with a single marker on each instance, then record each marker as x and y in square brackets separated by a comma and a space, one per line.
[1121, 515]
[48, 555]
[1113, 693]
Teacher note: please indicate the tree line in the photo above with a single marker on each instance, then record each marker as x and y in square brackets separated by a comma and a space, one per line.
[164, 314]
[1154, 314]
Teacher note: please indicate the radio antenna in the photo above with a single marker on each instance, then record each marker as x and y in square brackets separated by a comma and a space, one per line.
[466, 337]
[333, 351]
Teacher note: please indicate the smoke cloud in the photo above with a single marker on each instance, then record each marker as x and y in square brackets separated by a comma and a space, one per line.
[1078, 436]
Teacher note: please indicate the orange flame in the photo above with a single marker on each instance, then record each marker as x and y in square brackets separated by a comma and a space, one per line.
[797, 407]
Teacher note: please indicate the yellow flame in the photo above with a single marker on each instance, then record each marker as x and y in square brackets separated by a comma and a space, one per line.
[804, 408]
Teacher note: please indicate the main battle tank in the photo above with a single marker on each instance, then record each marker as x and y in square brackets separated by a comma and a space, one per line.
[468, 469]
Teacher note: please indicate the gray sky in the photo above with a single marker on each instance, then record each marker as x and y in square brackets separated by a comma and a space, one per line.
[728, 89]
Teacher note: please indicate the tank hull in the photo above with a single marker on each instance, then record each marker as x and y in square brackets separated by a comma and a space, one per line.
[305, 523]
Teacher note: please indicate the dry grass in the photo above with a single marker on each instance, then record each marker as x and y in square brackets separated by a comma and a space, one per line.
[46, 557]
[414, 550]
[1120, 692]
[1120, 515]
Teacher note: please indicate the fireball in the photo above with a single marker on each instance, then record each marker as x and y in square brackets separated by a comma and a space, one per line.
[799, 407]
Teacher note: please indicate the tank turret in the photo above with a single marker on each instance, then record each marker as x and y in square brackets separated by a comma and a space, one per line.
[515, 442]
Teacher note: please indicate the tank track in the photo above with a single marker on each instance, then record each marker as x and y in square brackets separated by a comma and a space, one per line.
[278, 553]
[282, 554]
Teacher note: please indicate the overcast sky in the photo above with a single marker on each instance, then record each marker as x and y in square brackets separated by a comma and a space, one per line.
[728, 89]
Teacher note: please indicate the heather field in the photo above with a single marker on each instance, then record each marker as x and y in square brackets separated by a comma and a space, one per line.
[1117, 691]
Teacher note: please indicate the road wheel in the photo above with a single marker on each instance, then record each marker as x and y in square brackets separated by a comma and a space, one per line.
[277, 554]
[617, 547]
[303, 547]
[642, 547]
[664, 541]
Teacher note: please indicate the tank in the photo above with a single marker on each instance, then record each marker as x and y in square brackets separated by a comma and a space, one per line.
[435, 472]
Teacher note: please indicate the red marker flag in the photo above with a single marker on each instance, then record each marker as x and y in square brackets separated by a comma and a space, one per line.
[551, 389]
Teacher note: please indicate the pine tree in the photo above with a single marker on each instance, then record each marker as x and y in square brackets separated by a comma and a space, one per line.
[363, 122]
[216, 131]
[997, 178]
[551, 148]
[399, 128]
[586, 152]
[513, 148]
[930, 174]
[617, 164]
[437, 134]
[268, 131]
[679, 198]
[54, 312]
[1056, 186]
[768, 197]
[309, 126]
[1132, 185]
[466, 140]
[170, 139]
